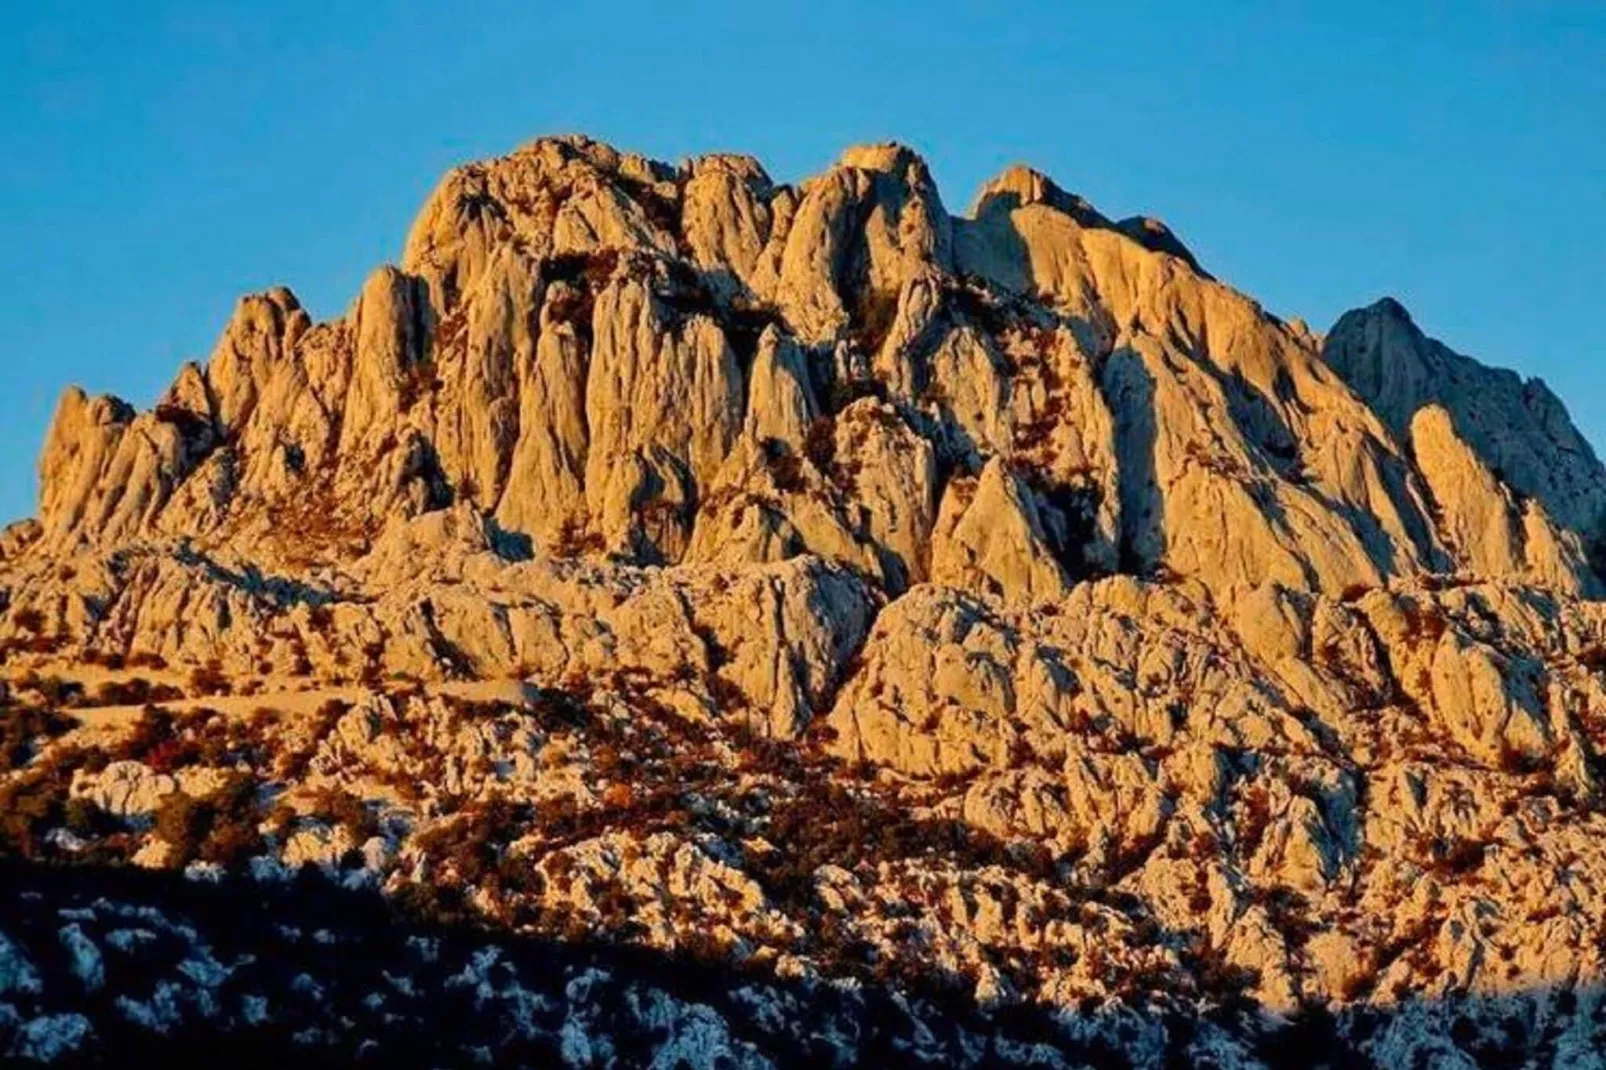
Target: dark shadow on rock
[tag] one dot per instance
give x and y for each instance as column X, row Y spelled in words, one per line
column 304, row 972
column 1152, row 234
column 1129, row 391
column 279, row 592
column 1517, row 428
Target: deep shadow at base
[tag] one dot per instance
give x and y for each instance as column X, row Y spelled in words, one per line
column 339, row 978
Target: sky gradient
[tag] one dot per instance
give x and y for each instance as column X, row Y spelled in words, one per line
column 159, row 159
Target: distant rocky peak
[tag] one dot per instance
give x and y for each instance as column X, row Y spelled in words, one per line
column 1517, row 428
column 1020, row 185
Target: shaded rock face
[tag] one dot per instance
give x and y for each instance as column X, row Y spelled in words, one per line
column 1515, row 428
column 994, row 602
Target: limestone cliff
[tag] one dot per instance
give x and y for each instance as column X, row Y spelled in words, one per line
column 586, row 344
column 810, row 579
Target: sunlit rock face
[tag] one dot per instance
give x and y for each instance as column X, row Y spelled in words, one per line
column 809, row 583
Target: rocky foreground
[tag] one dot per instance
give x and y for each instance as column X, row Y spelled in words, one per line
column 677, row 618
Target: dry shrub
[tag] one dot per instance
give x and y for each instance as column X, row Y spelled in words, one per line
column 208, row 679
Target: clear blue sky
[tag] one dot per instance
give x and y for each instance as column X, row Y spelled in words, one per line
column 159, row 158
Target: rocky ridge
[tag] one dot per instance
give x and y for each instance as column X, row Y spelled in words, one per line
column 1155, row 654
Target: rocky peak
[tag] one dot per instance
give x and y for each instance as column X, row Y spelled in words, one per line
column 812, row 584
column 1020, row 185
column 587, row 344
column 1517, row 428
column 1155, row 236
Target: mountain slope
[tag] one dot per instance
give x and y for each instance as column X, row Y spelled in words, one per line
column 596, row 347
column 810, row 581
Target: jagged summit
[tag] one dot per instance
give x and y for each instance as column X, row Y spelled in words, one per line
column 995, row 613
column 1020, row 185
column 1518, row 428
column 671, row 364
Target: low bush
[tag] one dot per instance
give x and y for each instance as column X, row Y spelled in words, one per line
column 32, row 802
column 340, row 807
column 135, row 692
column 220, row 827
column 208, row 679
column 85, row 819
column 23, row 730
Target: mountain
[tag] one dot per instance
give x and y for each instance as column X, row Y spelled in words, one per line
column 756, row 624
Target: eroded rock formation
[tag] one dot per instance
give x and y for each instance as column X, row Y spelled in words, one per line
column 997, row 598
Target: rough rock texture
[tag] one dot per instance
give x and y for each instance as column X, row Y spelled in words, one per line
column 593, row 348
column 1517, row 428
column 996, row 608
